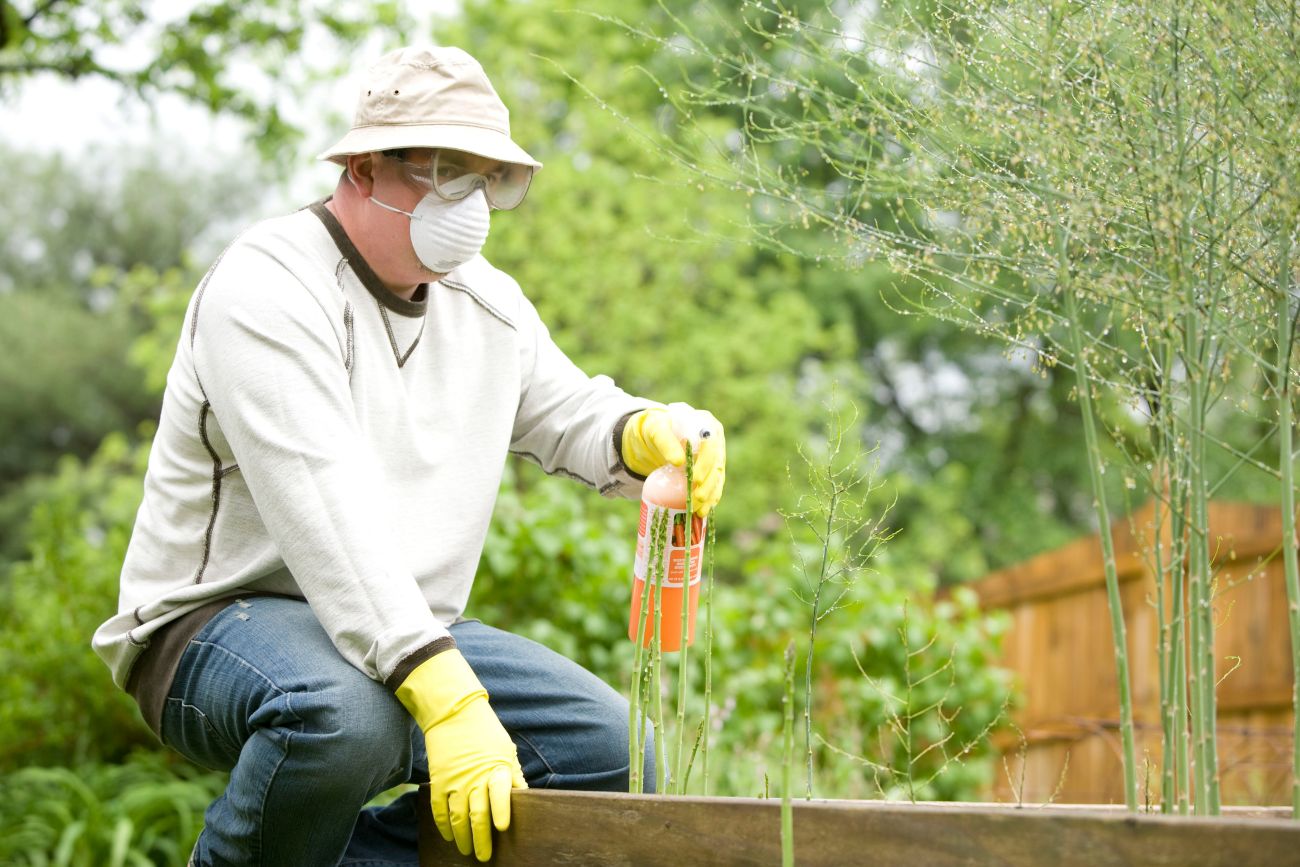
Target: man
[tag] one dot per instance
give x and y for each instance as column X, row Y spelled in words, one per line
column 348, row 383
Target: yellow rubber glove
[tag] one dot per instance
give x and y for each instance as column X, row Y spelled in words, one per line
column 472, row 761
column 650, row 443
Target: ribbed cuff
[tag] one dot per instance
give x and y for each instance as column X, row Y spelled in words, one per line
column 618, row 446
column 412, row 661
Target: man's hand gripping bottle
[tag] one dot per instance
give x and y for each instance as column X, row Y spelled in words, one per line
column 665, row 490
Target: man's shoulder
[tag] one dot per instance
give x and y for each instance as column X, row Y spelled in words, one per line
column 272, row 260
column 295, row 247
column 299, row 231
column 491, row 288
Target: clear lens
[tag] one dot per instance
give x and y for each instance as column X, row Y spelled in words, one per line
column 451, row 178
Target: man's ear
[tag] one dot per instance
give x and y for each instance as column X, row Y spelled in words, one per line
column 361, row 170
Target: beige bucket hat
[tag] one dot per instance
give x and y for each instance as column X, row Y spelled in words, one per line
column 430, row 98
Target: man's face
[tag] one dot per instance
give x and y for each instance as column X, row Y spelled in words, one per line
column 401, row 179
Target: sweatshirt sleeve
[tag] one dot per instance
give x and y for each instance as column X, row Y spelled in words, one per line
column 272, row 369
column 570, row 423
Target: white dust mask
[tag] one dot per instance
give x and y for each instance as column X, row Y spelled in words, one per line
column 446, row 235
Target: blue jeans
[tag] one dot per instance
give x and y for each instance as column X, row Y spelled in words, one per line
column 308, row 740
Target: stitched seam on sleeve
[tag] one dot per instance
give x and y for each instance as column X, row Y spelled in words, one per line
column 217, row 475
column 348, row 316
column 558, row 471
column 460, row 287
column 203, row 284
column 348, row 326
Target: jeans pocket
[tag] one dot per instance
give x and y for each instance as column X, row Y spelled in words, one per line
column 188, row 730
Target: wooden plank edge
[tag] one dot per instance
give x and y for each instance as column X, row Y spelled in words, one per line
column 565, row 827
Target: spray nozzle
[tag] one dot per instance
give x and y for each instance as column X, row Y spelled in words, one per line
column 689, row 424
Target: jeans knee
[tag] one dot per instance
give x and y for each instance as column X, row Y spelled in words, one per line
column 648, row 760
column 362, row 738
column 607, row 738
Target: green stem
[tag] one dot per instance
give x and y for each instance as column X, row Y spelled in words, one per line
column 1287, row 466
column 812, row 641
column 1200, row 590
column 636, row 721
column 1163, row 658
column 1178, row 556
column 1081, row 368
column 683, row 670
column 1168, row 566
column 787, row 762
column 708, row 653
column 661, row 760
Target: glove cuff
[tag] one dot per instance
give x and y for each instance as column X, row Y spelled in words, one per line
column 440, row 687
column 636, row 459
column 620, row 445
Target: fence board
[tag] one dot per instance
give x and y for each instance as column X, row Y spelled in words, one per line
column 567, row 828
column 1059, row 645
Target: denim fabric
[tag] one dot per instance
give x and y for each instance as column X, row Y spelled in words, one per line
column 308, row 740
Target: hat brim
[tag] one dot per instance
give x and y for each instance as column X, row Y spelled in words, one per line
column 481, row 141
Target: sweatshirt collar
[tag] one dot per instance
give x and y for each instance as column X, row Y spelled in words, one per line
column 413, row 308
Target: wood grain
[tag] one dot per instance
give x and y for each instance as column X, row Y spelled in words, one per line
column 585, row 828
column 1059, row 646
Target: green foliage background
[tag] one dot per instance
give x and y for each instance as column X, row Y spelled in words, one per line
column 642, row 273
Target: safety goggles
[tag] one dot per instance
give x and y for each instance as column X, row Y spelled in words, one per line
column 451, row 178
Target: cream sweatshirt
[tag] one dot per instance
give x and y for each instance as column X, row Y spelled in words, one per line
column 322, row 438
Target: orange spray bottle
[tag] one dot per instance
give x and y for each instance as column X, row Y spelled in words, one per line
column 665, row 490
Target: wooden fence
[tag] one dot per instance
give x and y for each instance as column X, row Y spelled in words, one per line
column 1060, row 646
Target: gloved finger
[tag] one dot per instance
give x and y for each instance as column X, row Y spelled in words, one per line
column 517, row 777
column 498, row 789
column 704, row 460
column 480, row 821
column 441, row 816
column 708, row 463
column 659, row 436
column 458, row 807
column 708, row 494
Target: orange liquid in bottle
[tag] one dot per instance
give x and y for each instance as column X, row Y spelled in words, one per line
column 665, row 489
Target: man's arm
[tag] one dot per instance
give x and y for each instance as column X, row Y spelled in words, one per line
column 570, row 423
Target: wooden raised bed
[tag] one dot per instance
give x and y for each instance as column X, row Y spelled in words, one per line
column 586, row 828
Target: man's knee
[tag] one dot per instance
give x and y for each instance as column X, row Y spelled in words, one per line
column 648, row 760
column 604, row 761
column 358, row 732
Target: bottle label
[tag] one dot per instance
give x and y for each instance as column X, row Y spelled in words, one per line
column 674, row 552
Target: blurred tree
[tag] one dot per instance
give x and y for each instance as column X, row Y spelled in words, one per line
column 639, row 275
column 604, row 92
column 206, row 54
column 84, row 243
column 67, row 218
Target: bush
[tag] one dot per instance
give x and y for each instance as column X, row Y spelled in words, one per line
column 557, row 568
column 143, row 812
column 61, row 706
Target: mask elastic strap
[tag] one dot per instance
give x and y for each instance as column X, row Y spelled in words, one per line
column 394, row 210
column 353, row 182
